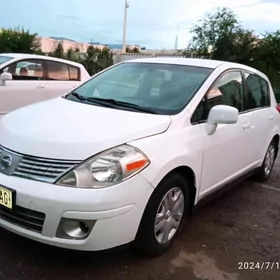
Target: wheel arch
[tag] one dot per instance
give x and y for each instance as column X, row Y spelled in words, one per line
column 276, row 138
column 189, row 175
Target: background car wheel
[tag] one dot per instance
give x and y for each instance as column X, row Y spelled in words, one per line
column 164, row 216
column 265, row 170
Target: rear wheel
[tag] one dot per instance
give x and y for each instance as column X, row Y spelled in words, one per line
column 265, row 170
column 163, row 217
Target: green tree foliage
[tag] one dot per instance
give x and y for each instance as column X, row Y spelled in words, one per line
column 19, row 40
column 134, row 50
column 221, row 36
column 58, row 52
column 97, row 59
column 267, row 58
column 72, row 55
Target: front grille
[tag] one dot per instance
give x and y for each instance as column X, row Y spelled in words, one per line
column 25, row 218
column 41, row 169
column 36, row 168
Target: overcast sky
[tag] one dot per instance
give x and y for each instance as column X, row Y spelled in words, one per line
column 151, row 23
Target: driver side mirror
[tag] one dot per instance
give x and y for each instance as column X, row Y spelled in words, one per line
column 5, row 77
column 221, row 114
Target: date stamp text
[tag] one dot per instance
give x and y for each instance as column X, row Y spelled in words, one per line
column 258, row 265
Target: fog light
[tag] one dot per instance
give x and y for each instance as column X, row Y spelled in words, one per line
column 74, row 229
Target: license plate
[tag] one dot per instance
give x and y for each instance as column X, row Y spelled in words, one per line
column 6, row 197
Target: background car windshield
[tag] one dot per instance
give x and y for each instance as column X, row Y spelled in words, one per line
column 163, row 88
column 4, row 59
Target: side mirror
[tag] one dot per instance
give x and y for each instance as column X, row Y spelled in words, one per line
column 5, row 77
column 221, row 114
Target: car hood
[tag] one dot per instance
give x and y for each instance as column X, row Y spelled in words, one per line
column 64, row 129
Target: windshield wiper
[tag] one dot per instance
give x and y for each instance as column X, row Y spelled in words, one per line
column 106, row 102
column 75, row 94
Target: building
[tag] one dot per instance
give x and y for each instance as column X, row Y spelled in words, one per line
column 50, row 44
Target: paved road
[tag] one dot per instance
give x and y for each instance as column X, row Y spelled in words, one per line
column 242, row 225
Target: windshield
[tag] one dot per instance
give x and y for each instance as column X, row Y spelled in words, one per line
column 4, row 58
column 161, row 88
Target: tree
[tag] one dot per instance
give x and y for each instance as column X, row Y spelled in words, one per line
column 19, row 40
column 90, row 59
column 96, row 59
column 70, row 54
column 267, row 58
column 104, row 59
column 135, row 50
column 221, row 36
column 58, row 52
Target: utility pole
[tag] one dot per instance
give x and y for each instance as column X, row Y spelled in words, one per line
column 176, row 39
column 126, row 6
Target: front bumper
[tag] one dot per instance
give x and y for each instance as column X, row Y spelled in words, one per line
column 117, row 211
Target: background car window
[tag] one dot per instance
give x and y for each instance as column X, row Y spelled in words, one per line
column 26, row 70
column 57, row 71
column 257, row 92
column 62, row 71
column 227, row 90
column 74, row 73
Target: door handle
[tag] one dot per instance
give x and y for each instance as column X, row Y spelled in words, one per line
column 246, row 126
column 40, row 86
column 270, row 118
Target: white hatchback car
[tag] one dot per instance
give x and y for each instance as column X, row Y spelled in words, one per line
column 126, row 156
column 29, row 78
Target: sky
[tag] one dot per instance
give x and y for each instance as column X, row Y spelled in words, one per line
column 150, row 23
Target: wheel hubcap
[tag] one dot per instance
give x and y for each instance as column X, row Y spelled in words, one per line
column 169, row 215
column 269, row 160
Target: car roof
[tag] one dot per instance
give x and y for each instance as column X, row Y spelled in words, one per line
column 35, row 56
column 200, row 62
column 180, row 61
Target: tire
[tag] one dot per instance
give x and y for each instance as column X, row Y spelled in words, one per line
column 265, row 170
column 152, row 241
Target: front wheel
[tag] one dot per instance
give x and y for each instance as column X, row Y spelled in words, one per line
column 163, row 217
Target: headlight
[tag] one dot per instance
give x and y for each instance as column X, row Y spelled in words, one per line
column 106, row 169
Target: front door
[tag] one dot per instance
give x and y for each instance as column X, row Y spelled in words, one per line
column 227, row 153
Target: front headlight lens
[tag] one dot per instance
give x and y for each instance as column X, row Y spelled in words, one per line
column 106, row 169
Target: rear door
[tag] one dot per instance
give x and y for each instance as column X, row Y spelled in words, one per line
column 262, row 115
column 61, row 78
column 27, row 86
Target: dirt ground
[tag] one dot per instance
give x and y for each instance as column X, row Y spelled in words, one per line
column 239, row 229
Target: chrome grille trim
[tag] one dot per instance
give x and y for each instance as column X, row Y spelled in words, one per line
column 37, row 168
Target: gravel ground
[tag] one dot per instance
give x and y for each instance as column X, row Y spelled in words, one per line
column 242, row 225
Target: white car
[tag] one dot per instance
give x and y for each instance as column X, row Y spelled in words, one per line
column 128, row 154
column 27, row 78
